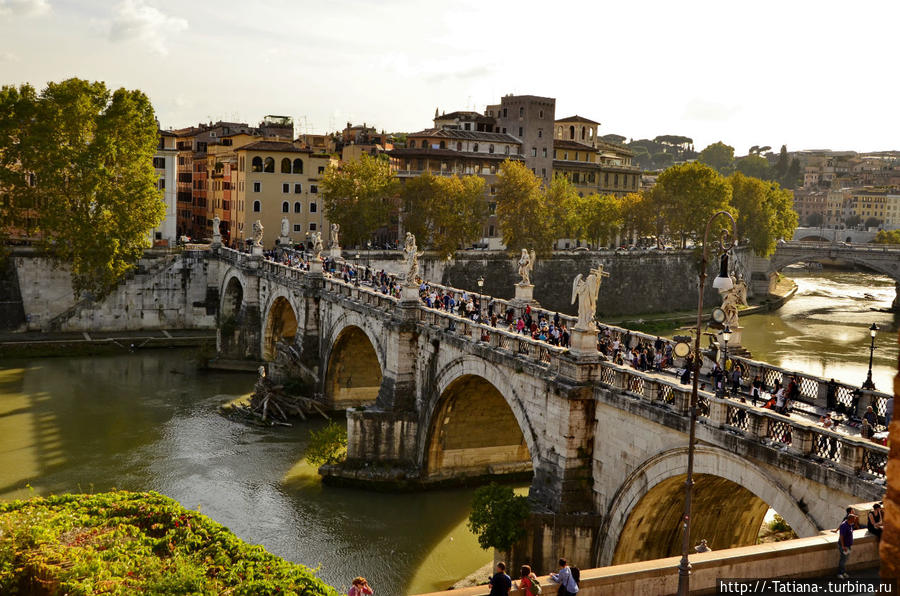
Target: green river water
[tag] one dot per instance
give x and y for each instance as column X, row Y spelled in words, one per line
column 148, row 420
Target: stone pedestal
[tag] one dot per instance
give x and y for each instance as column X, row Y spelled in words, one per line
column 334, row 252
column 734, row 341
column 524, row 293
column 409, row 293
column 583, row 343
column 284, row 242
column 256, row 250
column 315, row 266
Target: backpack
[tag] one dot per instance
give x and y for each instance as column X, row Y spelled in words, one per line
column 576, row 574
column 536, row 586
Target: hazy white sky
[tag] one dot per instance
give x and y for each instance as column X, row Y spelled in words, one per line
column 811, row 74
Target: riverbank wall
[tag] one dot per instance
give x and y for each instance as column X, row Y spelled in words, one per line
column 40, row 345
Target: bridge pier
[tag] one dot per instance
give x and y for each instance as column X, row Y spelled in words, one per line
column 240, row 325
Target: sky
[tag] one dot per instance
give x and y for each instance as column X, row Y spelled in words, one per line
column 809, row 74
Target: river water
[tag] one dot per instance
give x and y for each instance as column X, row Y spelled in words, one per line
column 148, row 421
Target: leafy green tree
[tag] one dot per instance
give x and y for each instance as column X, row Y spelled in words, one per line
column 794, row 176
column 640, row 215
column 852, row 221
column 765, row 212
column 327, row 445
column 613, row 138
column 522, row 209
column 663, row 160
column 872, row 222
column 719, row 156
column 595, row 218
column 559, row 201
column 76, row 167
column 418, row 196
column 457, row 213
column 782, row 165
column 360, row 195
column 755, row 166
column 885, row 237
column 498, row 517
column 686, row 196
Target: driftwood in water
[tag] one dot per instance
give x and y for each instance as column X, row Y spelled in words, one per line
column 270, row 404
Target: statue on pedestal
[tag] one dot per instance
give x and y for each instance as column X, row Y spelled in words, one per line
column 411, row 260
column 335, row 231
column 585, row 290
column 317, row 245
column 257, row 233
column 285, row 228
column 216, row 234
column 731, row 301
column 526, row 266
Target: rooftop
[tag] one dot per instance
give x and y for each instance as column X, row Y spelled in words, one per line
column 464, row 115
column 469, row 135
column 577, row 118
column 272, row 146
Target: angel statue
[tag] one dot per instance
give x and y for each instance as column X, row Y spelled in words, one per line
column 317, row 244
column 285, row 227
column 411, row 259
column 586, row 290
column 526, row 266
column 335, row 231
column 257, row 233
column 216, row 226
column 732, row 300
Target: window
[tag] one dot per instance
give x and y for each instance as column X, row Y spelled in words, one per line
column 298, row 188
column 582, row 133
column 565, row 155
column 576, row 156
column 321, row 169
column 285, row 207
column 474, row 148
column 241, row 167
column 521, row 131
column 285, row 188
column 492, row 207
column 161, row 184
column 505, row 114
column 467, row 126
column 490, row 148
column 313, row 189
column 269, row 165
column 285, row 166
column 257, row 207
column 443, row 144
column 541, row 114
column 412, row 144
column 534, row 152
column 540, row 133
column 458, row 146
column 616, row 178
column 159, row 163
column 298, row 208
column 298, row 227
column 544, row 152
column 257, row 186
column 297, row 167
column 506, row 149
column 312, row 226
column 490, row 230
column 257, row 164
column 572, row 132
column 543, row 172
column 312, row 208
column 521, row 112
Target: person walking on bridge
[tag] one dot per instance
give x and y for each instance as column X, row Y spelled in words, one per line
column 567, row 583
column 845, row 543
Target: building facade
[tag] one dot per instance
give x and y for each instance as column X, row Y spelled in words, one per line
column 528, row 118
column 165, row 163
column 591, row 164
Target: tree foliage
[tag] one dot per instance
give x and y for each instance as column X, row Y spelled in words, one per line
column 887, row 237
column 443, row 212
column 755, row 166
column 360, row 195
column 641, row 216
column 852, row 221
column 76, row 168
column 327, row 445
column 498, row 517
column 719, row 156
column 523, row 209
column 595, row 219
column 764, row 212
column 687, row 195
column 872, row 222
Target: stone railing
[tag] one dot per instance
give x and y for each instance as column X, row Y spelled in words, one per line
column 282, row 271
column 867, row 248
column 535, row 351
column 236, row 257
column 805, row 439
column 359, row 293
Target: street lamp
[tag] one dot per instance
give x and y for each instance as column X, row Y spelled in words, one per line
column 356, row 271
column 726, row 335
column 726, row 242
column 480, row 297
column 869, row 384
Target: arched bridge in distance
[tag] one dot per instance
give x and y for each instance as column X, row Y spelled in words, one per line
column 434, row 398
column 884, row 259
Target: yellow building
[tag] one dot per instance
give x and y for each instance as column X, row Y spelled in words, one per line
column 880, row 203
column 590, row 164
column 277, row 180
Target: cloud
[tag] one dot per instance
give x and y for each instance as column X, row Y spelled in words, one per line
column 709, row 111
column 24, row 8
column 8, row 57
column 135, row 20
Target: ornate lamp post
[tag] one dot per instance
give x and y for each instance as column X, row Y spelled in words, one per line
column 726, row 242
column 726, row 335
column 480, row 298
column 356, row 271
column 869, row 384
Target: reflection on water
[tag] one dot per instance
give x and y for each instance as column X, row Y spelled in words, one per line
column 824, row 329
column 148, row 421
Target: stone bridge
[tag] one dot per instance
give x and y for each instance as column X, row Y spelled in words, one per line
column 883, row 259
column 432, row 398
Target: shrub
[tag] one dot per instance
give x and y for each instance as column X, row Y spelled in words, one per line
column 498, row 517
column 328, row 445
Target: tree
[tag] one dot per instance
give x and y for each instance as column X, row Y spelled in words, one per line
column 640, row 215
column 522, row 209
column 663, row 160
column 765, row 212
column 782, row 165
column 872, row 222
column 755, row 166
column 686, row 196
column 595, row 218
column 498, row 517
column 457, row 213
column 814, row 220
column 613, row 138
column 418, row 196
column 327, row 445
column 793, row 177
column 559, row 201
column 885, row 237
column 719, row 156
column 76, row 167
column 360, row 195
column 852, row 221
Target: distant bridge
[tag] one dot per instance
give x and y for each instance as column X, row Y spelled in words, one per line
column 432, row 397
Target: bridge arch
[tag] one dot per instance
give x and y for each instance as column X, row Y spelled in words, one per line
column 354, row 358
column 475, row 423
column 784, row 257
column 280, row 325
column 730, row 500
column 232, row 296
